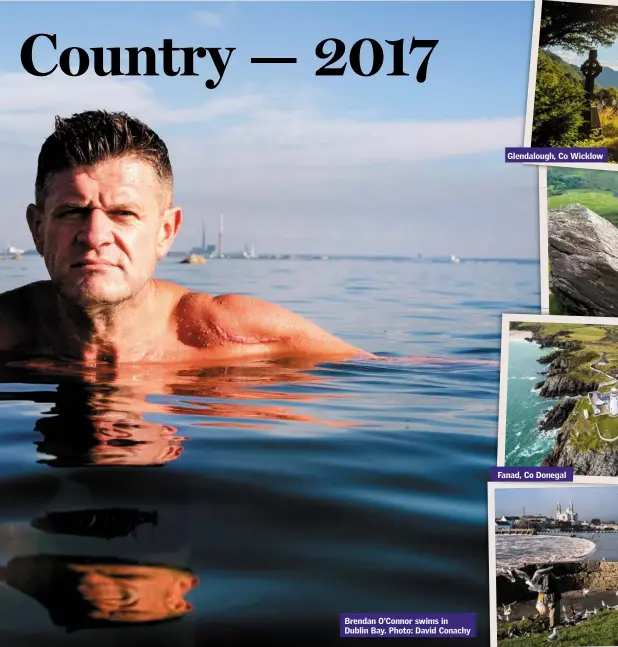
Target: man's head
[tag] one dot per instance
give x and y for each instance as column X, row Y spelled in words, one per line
column 103, row 212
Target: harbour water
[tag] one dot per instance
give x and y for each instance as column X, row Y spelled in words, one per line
column 525, row 445
column 513, row 551
column 272, row 496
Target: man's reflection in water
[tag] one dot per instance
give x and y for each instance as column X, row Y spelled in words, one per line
column 85, row 593
column 97, row 417
column 104, row 439
column 102, row 523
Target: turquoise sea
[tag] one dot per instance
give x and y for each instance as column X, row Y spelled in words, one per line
column 525, row 444
column 291, row 493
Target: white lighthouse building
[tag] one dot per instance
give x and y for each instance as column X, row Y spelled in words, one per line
column 613, row 402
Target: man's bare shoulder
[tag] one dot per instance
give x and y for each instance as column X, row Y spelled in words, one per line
column 19, row 309
column 234, row 319
column 24, row 298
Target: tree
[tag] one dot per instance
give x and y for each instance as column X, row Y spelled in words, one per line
column 558, row 105
column 578, row 27
column 595, row 522
column 608, row 98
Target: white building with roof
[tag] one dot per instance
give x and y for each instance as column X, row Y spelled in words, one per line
column 569, row 515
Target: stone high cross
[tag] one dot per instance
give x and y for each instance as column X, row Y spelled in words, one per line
column 591, row 68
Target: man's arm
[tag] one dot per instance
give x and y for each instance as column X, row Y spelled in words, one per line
column 245, row 320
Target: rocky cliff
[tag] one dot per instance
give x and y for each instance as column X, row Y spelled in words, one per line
column 558, row 414
column 559, row 380
column 590, row 463
column 583, row 252
column 559, row 385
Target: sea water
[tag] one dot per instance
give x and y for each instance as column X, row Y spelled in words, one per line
column 293, row 493
column 513, row 551
column 525, row 444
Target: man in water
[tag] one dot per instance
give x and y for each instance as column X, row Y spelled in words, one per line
column 103, row 218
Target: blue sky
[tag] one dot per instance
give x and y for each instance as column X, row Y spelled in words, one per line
column 297, row 162
column 588, row 501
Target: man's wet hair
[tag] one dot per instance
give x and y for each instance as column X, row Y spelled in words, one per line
column 94, row 136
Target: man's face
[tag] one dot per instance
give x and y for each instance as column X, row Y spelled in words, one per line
column 103, row 228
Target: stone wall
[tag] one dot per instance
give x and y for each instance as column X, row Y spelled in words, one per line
column 601, row 575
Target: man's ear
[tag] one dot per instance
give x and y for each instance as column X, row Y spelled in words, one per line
column 170, row 224
column 34, row 216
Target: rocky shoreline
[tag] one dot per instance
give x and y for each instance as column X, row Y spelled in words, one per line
column 557, row 382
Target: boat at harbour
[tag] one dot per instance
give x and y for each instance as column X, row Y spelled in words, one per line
column 11, row 252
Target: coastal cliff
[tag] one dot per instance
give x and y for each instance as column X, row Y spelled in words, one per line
column 565, row 358
column 558, row 415
column 589, row 463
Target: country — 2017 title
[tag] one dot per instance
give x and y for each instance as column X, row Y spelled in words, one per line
column 391, row 55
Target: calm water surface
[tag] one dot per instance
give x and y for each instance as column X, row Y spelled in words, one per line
column 268, row 496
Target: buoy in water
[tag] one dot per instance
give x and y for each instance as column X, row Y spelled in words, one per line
column 194, row 259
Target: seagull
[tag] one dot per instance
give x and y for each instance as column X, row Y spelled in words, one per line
column 533, row 584
column 508, row 573
column 553, row 635
column 603, row 603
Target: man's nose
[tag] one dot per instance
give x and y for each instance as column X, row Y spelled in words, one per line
column 95, row 229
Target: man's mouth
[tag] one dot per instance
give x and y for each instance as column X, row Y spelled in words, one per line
column 92, row 264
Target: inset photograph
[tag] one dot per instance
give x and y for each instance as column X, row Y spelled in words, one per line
column 559, row 394
column 579, row 241
column 573, row 81
column 553, row 554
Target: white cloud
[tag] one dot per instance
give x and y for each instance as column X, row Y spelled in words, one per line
column 577, row 59
column 278, row 166
column 209, row 19
column 570, row 57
